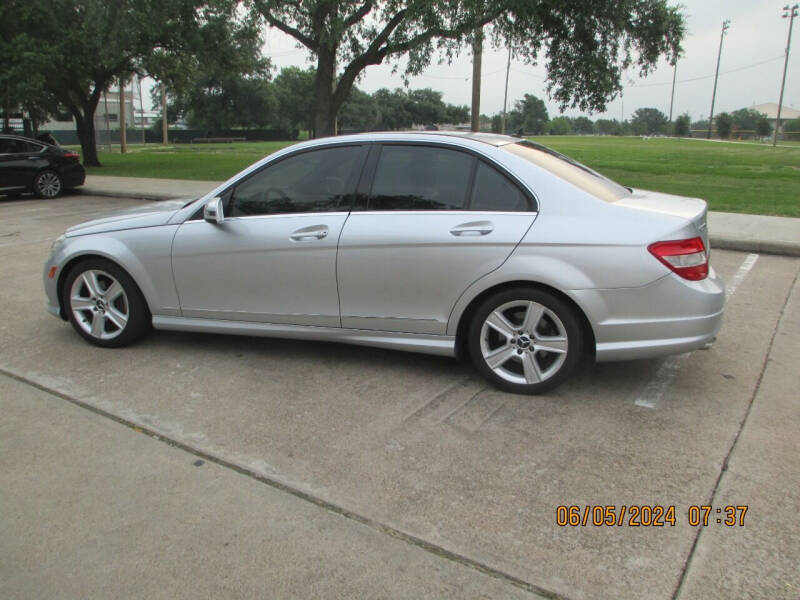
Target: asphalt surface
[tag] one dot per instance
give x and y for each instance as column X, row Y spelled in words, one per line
column 195, row 465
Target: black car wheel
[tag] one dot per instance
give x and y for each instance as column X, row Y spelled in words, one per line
column 47, row 184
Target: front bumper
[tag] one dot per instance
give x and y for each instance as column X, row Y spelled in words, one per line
column 51, row 287
column 668, row 316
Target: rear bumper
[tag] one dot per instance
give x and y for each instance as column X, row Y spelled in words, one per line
column 669, row 316
column 73, row 175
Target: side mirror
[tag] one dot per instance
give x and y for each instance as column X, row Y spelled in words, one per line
column 212, row 211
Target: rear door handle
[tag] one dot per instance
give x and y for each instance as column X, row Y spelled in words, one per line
column 474, row 228
column 308, row 234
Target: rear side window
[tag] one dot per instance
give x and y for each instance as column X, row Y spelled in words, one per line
column 420, row 178
column 316, row 181
column 494, row 192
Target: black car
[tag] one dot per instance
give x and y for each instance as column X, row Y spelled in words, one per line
column 28, row 165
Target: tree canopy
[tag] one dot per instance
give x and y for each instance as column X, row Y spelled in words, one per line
column 529, row 115
column 648, row 121
column 587, row 45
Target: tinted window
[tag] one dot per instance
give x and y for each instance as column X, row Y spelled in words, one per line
column 493, row 191
column 420, row 178
column 11, row 146
column 316, row 181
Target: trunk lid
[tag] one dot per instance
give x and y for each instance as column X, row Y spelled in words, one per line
column 692, row 209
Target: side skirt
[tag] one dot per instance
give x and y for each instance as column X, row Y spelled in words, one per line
column 441, row 345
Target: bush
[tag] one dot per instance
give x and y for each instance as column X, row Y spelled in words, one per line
column 682, row 126
column 763, row 127
column 724, row 124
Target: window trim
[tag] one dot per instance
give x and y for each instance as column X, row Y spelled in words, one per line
column 351, row 184
column 364, row 189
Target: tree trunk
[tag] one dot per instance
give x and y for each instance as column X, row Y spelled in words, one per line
column 324, row 110
column 84, row 124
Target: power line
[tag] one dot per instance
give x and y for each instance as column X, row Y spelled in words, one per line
column 763, row 62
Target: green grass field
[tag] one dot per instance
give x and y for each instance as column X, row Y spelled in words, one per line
column 733, row 177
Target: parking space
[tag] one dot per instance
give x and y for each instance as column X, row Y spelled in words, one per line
column 420, row 447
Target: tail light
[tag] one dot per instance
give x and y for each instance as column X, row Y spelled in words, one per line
column 71, row 155
column 687, row 258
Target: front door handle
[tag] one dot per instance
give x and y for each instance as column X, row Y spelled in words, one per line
column 308, row 234
column 474, row 228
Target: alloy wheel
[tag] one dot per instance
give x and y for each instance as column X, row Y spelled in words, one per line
column 48, row 184
column 523, row 342
column 99, row 304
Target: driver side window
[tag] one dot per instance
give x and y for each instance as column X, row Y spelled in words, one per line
column 315, row 181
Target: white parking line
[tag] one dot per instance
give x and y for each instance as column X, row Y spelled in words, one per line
column 669, row 369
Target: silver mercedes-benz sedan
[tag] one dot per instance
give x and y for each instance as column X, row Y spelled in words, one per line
column 481, row 245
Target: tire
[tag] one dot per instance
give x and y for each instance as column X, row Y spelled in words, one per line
column 104, row 304
column 525, row 340
column 48, row 184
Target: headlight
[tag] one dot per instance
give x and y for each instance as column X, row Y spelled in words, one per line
column 58, row 241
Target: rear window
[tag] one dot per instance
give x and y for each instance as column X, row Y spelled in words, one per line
column 569, row 170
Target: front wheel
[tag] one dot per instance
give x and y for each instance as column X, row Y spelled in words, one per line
column 525, row 341
column 104, row 304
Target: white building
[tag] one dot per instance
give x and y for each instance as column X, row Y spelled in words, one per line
column 771, row 110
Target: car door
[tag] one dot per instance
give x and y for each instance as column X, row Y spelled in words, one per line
column 18, row 165
column 273, row 257
column 436, row 219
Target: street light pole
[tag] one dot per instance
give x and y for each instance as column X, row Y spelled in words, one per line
column 725, row 26
column 789, row 13
column 672, row 98
column 505, row 96
column 477, row 53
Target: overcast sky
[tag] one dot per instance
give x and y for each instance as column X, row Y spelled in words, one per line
column 750, row 70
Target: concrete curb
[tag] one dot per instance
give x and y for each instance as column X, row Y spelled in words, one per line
column 150, row 197
column 758, row 246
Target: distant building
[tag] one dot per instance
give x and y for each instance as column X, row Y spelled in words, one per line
column 771, row 110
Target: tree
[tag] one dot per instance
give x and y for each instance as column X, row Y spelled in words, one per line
column 559, row 126
column 359, row 111
column 583, row 125
column 746, row 119
column 455, row 113
column 392, row 109
column 682, row 125
column 294, row 92
column 763, row 127
column 223, row 82
column 529, row 114
column 607, row 127
column 426, row 107
column 588, row 45
column 80, row 47
column 648, row 121
column 724, row 123
column 792, row 126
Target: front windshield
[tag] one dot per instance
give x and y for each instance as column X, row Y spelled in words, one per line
column 569, row 170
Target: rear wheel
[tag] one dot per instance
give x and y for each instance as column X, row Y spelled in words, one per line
column 48, row 184
column 104, row 304
column 525, row 341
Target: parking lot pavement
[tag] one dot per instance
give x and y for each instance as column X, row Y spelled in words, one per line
column 92, row 509
column 420, row 449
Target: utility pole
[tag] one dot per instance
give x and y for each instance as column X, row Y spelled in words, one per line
column 164, row 124
column 505, row 96
column 672, row 99
column 123, row 138
column 789, row 13
column 477, row 53
column 725, row 26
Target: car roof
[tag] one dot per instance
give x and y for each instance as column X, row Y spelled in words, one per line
column 491, row 139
